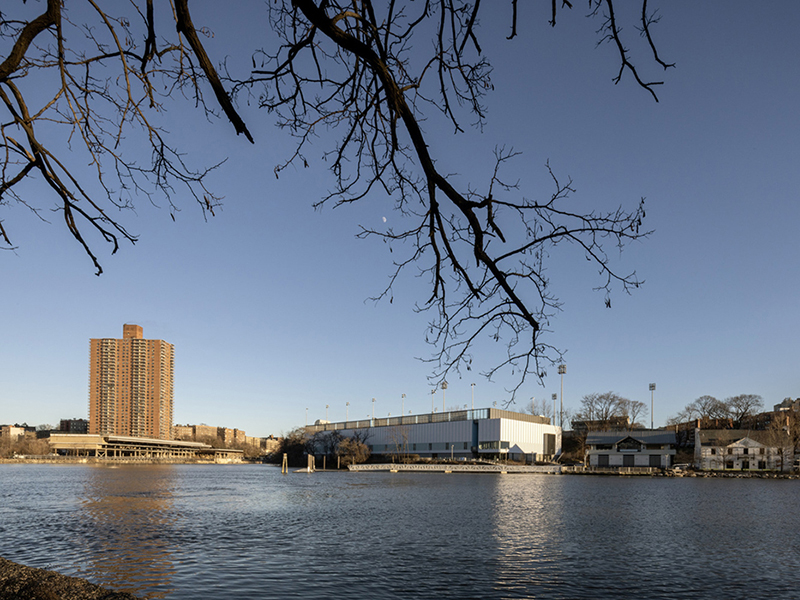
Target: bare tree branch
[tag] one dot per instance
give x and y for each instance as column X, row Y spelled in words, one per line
column 353, row 67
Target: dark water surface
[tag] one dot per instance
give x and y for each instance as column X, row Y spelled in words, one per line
column 249, row 532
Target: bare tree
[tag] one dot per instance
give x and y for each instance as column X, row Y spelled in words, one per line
column 295, row 445
column 353, row 450
column 355, row 68
column 601, row 409
column 743, row 406
column 326, row 443
column 540, row 407
column 634, row 410
column 398, row 436
column 707, row 407
column 782, row 434
column 104, row 82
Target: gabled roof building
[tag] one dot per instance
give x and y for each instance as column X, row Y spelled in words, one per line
column 740, row 450
column 635, row 448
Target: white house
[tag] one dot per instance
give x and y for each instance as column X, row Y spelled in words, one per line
column 740, row 450
column 635, row 448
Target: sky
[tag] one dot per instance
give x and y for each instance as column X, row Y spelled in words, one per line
column 267, row 302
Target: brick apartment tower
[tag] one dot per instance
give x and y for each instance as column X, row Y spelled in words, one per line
column 130, row 385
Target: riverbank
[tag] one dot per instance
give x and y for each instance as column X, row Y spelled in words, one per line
column 18, row 581
column 91, row 460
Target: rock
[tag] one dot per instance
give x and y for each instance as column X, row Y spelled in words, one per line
column 18, row 582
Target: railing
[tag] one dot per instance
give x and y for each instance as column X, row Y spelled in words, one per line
column 437, row 417
column 612, row 470
column 454, row 468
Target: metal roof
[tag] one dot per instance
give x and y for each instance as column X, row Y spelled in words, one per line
column 646, row 436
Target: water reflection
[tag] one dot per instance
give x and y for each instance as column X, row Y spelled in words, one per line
column 127, row 517
column 527, row 528
column 190, row 531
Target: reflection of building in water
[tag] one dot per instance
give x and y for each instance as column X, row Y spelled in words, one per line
column 479, row 433
column 130, row 385
column 128, row 523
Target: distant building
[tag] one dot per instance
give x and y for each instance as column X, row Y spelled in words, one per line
column 637, row 448
column 481, row 433
column 74, row 426
column 610, row 424
column 226, row 435
column 788, row 404
column 111, row 448
column 239, row 436
column 740, row 450
column 204, row 432
column 131, row 386
column 221, row 435
column 183, row 432
column 13, row 433
column 270, row 444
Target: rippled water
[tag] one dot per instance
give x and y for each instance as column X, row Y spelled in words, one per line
column 249, row 532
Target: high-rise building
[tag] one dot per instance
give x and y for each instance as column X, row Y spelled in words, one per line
column 130, row 385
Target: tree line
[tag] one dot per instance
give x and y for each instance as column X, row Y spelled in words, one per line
column 298, row 444
column 736, row 409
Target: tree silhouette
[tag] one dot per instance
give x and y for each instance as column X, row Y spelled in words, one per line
column 354, row 68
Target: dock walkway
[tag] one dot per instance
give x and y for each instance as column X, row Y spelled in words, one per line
column 455, row 468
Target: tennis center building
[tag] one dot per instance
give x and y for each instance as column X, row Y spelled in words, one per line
column 481, row 433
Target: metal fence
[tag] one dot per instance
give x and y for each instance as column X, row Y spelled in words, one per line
column 612, row 470
column 453, row 468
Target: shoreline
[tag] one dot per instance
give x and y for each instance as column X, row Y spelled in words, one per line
column 77, row 460
column 437, row 467
column 19, row 581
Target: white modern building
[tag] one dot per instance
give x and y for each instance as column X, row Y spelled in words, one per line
column 479, row 433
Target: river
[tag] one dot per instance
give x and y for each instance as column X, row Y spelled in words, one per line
column 202, row 531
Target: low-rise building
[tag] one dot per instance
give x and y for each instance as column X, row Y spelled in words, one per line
column 74, row 426
column 479, row 433
column 270, row 444
column 183, row 432
column 204, row 432
column 740, row 450
column 618, row 423
column 111, row 448
column 13, row 433
column 787, row 405
column 635, row 448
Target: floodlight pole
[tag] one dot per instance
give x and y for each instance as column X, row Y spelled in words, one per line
column 652, row 393
column 562, row 368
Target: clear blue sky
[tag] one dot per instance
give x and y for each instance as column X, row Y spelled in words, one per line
column 266, row 301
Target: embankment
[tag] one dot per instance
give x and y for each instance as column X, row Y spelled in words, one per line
column 18, row 582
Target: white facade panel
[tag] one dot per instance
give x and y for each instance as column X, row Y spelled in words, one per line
column 468, row 434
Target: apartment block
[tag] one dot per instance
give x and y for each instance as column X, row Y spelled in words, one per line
column 131, row 385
